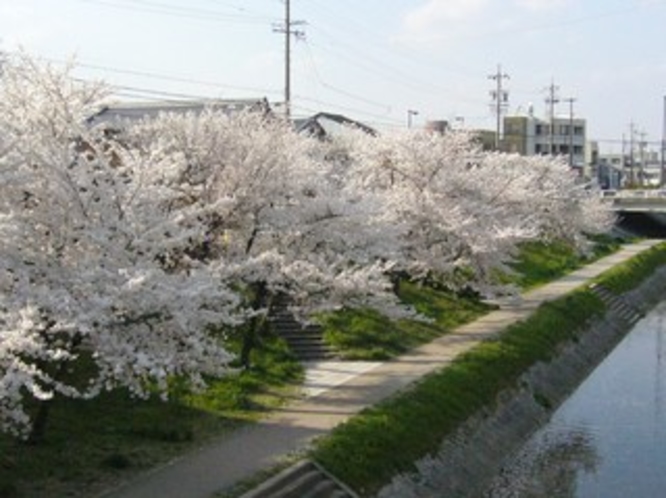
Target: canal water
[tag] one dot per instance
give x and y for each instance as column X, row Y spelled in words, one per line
column 609, row 438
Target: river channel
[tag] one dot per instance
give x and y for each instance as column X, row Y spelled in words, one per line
column 609, row 438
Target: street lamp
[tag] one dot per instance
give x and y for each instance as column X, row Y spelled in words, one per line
column 410, row 114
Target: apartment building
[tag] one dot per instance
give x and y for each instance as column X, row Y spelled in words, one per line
column 530, row 135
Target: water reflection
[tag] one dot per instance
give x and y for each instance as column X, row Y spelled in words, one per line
column 609, row 438
column 548, row 466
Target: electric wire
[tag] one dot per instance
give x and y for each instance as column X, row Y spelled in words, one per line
column 165, row 77
column 150, row 7
column 337, row 90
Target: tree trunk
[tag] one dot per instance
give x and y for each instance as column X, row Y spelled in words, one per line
column 40, row 421
column 396, row 278
column 38, row 429
column 256, row 326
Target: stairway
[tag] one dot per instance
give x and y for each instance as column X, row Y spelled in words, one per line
column 305, row 479
column 617, row 304
column 305, row 341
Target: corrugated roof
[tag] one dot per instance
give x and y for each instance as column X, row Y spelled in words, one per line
column 117, row 114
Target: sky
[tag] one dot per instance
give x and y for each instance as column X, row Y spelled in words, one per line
column 382, row 62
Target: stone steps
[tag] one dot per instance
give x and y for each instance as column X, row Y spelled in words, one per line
column 305, row 479
column 305, row 341
column 617, row 304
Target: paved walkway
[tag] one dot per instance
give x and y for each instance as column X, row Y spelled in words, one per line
column 334, row 391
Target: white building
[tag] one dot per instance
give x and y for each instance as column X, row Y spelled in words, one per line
column 529, row 135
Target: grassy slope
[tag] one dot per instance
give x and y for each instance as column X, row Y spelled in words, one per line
column 387, row 438
column 539, row 262
column 370, row 448
column 90, row 443
column 368, row 335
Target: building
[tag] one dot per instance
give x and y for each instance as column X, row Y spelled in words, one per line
column 529, row 135
column 610, row 171
column 119, row 115
column 639, row 169
column 324, row 124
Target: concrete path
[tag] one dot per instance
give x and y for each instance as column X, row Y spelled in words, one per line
column 335, row 391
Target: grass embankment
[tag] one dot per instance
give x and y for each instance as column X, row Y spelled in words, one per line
column 384, row 440
column 368, row 335
column 540, row 262
column 90, row 443
column 629, row 275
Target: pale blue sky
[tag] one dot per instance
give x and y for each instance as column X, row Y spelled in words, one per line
column 371, row 59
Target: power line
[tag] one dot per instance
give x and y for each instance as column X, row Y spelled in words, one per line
column 373, row 121
column 348, row 51
column 164, row 77
column 152, row 94
column 151, row 7
column 345, row 108
column 376, row 39
column 336, row 89
column 391, row 74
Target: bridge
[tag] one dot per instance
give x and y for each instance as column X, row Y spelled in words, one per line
column 640, row 212
column 636, row 201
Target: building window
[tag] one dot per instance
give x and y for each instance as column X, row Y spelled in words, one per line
column 579, row 130
column 578, row 149
column 564, row 129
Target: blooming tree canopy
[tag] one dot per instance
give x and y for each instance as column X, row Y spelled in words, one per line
column 281, row 215
column 120, row 250
column 462, row 208
column 92, row 259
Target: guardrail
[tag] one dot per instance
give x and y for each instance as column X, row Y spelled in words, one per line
column 634, row 194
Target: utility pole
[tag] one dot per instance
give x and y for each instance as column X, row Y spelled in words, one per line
column 624, row 161
column 662, row 179
column 288, row 29
column 641, row 151
column 551, row 100
column 571, row 101
column 632, row 132
column 500, row 99
column 410, row 114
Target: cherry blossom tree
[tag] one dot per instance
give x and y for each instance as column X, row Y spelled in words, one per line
column 461, row 208
column 281, row 218
column 93, row 262
column 119, row 251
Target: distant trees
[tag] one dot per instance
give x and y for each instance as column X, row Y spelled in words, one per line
column 462, row 211
column 119, row 253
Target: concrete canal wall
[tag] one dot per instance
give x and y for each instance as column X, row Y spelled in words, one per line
column 473, row 455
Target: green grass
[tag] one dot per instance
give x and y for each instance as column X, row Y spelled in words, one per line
column 388, row 438
column 539, row 262
column 90, row 444
column 94, row 443
column 368, row 335
column 628, row 275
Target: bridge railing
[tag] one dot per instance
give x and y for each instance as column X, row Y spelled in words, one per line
column 634, row 194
